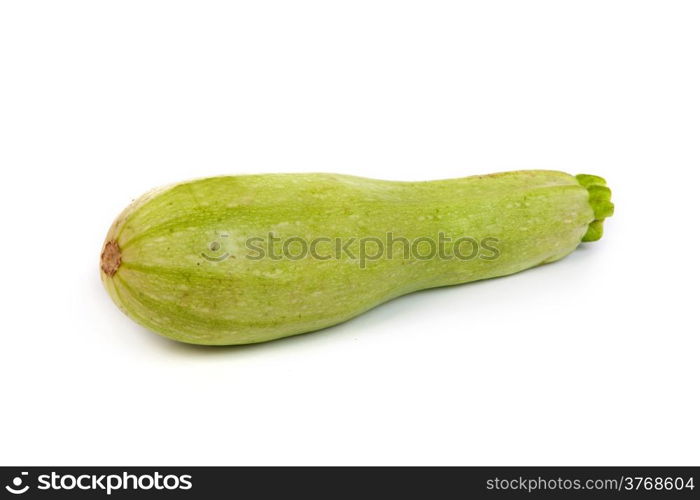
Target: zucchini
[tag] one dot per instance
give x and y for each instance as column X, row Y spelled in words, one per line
column 251, row 258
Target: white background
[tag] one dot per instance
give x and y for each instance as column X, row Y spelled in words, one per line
column 592, row 360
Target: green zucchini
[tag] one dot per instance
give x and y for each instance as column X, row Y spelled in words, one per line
column 252, row 258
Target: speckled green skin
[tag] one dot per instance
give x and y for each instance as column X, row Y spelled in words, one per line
column 165, row 283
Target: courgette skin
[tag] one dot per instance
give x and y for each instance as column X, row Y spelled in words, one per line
column 180, row 262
